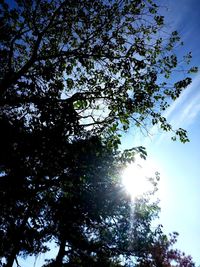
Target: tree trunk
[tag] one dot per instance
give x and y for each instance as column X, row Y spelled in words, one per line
column 11, row 258
column 61, row 254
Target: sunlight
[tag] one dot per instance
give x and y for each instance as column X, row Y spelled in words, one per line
column 135, row 177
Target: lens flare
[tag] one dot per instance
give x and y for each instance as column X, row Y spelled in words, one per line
column 135, row 178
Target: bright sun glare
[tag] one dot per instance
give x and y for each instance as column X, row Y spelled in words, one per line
column 135, row 177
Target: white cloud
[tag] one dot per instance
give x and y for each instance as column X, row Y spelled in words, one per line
column 184, row 111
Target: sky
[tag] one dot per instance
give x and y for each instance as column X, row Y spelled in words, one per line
column 178, row 163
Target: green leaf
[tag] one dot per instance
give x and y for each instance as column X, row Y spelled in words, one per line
column 70, row 83
column 193, row 70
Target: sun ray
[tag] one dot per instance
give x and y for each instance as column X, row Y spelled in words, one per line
column 136, row 178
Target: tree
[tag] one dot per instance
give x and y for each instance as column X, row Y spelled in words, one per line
column 86, row 64
column 72, row 75
column 162, row 253
column 87, row 213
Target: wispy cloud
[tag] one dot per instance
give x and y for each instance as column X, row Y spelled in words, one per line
column 184, row 111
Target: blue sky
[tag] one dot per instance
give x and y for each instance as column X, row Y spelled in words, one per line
column 179, row 163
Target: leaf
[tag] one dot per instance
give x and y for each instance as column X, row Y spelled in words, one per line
column 193, row 70
column 70, row 83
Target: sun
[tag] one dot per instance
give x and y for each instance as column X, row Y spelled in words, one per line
column 135, row 178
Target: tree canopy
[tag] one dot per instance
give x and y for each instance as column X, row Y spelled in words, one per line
column 97, row 65
column 74, row 75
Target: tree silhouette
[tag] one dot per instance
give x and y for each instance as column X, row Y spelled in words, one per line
column 73, row 74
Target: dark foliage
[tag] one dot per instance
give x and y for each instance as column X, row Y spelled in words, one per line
column 72, row 75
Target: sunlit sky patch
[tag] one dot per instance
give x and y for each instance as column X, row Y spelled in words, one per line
column 137, row 176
